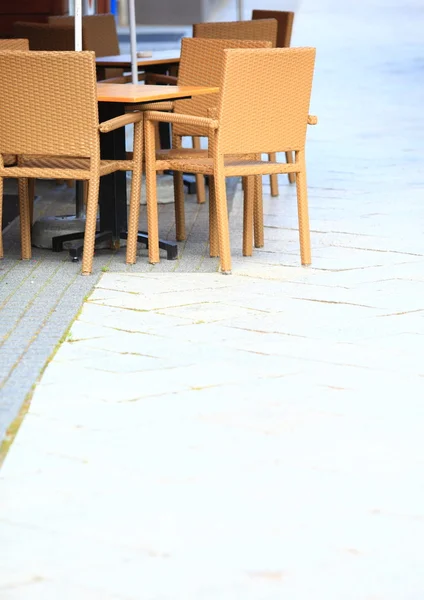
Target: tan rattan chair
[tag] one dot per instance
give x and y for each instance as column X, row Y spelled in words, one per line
column 49, row 119
column 267, row 28
column 43, row 37
column 263, row 30
column 201, row 64
column 99, row 34
column 285, row 21
column 263, row 107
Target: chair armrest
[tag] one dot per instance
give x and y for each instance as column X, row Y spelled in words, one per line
column 121, row 121
column 162, row 106
column 312, row 120
column 152, row 78
column 184, row 119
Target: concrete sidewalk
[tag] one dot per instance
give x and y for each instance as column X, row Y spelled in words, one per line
column 259, row 436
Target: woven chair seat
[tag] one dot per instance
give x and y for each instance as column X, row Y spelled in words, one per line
column 234, row 164
column 185, row 153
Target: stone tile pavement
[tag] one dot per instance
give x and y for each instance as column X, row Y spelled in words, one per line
column 257, row 436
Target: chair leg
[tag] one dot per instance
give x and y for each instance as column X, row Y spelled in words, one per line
column 134, row 212
column 157, row 142
column 200, row 179
column 289, row 159
column 90, row 225
column 222, row 217
column 179, row 207
column 249, row 200
column 31, row 196
column 302, row 208
column 258, row 213
column 1, row 217
column 213, row 231
column 25, row 223
column 133, row 218
column 273, row 179
column 179, row 197
column 151, row 193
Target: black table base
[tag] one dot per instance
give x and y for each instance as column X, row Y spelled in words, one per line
column 75, row 252
column 112, row 195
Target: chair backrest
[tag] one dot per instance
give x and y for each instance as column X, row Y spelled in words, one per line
column 49, row 104
column 14, row 44
column 201, row 63
column 264, row 29
column 43, row 37
column 264, row 100
column 99, row 32
column 285, row 24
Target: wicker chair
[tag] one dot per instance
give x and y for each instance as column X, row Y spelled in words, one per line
column 259, row 28
column 49, row 118
column 285, row 21
column 263, row 107
column 99, row 34
column 264, row 30
column 201, row 64
column 43, row 37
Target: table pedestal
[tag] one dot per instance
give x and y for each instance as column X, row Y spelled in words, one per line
column 112, row 195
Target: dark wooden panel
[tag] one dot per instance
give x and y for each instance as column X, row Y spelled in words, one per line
column 28, row 10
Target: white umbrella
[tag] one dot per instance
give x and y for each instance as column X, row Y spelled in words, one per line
column 78, row 24
column 133, row 41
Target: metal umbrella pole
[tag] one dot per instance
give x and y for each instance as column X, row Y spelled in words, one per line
column 79, row 200
column 133, row 40
column 78, row 25
column 240, row 10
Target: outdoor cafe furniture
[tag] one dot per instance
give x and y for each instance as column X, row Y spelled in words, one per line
column 285, row 21
column 263, row 107
column 201, row 62
column 49, row 118
column 267, row 28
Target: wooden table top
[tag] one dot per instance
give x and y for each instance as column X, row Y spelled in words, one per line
column 130, row 93
column 124, row 60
